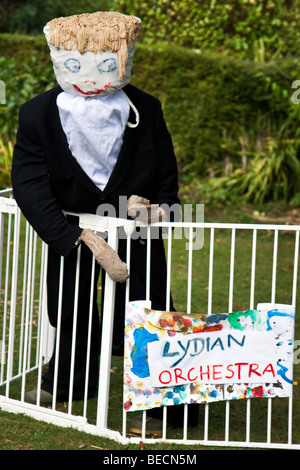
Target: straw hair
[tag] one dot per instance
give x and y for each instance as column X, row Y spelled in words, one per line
column 95, row 32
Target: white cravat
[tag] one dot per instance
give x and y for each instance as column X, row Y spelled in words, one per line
column 94, row 128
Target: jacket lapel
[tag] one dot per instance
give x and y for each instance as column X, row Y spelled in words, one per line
column 123, row 163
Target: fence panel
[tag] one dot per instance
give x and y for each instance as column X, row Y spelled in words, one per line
column 237, row 267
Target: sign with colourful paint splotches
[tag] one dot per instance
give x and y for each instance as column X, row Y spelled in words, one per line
column 175, row 358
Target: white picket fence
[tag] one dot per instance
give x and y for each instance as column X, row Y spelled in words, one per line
column 27, row 339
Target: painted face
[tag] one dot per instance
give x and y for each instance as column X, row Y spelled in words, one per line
column 89, row 74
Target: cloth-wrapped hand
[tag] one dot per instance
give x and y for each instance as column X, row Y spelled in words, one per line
column 108, row 258
column 140, row 209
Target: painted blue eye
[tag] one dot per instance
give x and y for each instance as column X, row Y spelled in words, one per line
column 73, row 65
column 107, row 65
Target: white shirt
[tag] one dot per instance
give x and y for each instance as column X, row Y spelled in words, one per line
column 94, row 128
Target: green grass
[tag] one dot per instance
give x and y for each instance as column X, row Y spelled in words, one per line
column 21, row 432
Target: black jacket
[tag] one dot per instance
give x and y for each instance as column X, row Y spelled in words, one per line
column 47, row 179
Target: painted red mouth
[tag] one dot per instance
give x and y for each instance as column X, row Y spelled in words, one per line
column 94, row 92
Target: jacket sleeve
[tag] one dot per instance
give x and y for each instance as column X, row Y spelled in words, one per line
column 167, row 174
column 32, row 188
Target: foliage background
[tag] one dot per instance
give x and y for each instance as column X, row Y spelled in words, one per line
column 249, row 28
column 223, row 71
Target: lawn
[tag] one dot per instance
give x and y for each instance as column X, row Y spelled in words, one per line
column 21, row 432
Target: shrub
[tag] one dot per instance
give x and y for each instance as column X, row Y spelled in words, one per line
column 6, row 153
column 30, row 16
column 254, row 29
column 218, row 108
column 272, row 174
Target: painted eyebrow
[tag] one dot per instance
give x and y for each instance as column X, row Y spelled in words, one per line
column 73, row 65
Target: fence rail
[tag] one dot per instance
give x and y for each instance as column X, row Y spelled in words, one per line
column 238, row 266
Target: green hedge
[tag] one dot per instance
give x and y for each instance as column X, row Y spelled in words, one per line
column 217, row 107
column 30, row 16
column 249, row 28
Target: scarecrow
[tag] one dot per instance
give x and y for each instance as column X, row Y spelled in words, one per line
column 80, row 146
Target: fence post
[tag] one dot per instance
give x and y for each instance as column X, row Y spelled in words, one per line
column 106, row 341
column 14, row 280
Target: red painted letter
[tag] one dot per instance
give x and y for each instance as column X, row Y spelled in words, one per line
column 230, row 370
column 190, row 378
column 269, row 368
column 165, row 372
column 216, row 372
column 239, row 364
column 178, row 375
column 253, row 368
column 204, row 373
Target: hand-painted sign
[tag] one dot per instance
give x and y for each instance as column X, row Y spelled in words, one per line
column 175, row 358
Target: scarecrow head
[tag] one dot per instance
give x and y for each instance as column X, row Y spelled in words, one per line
column 92, row 53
